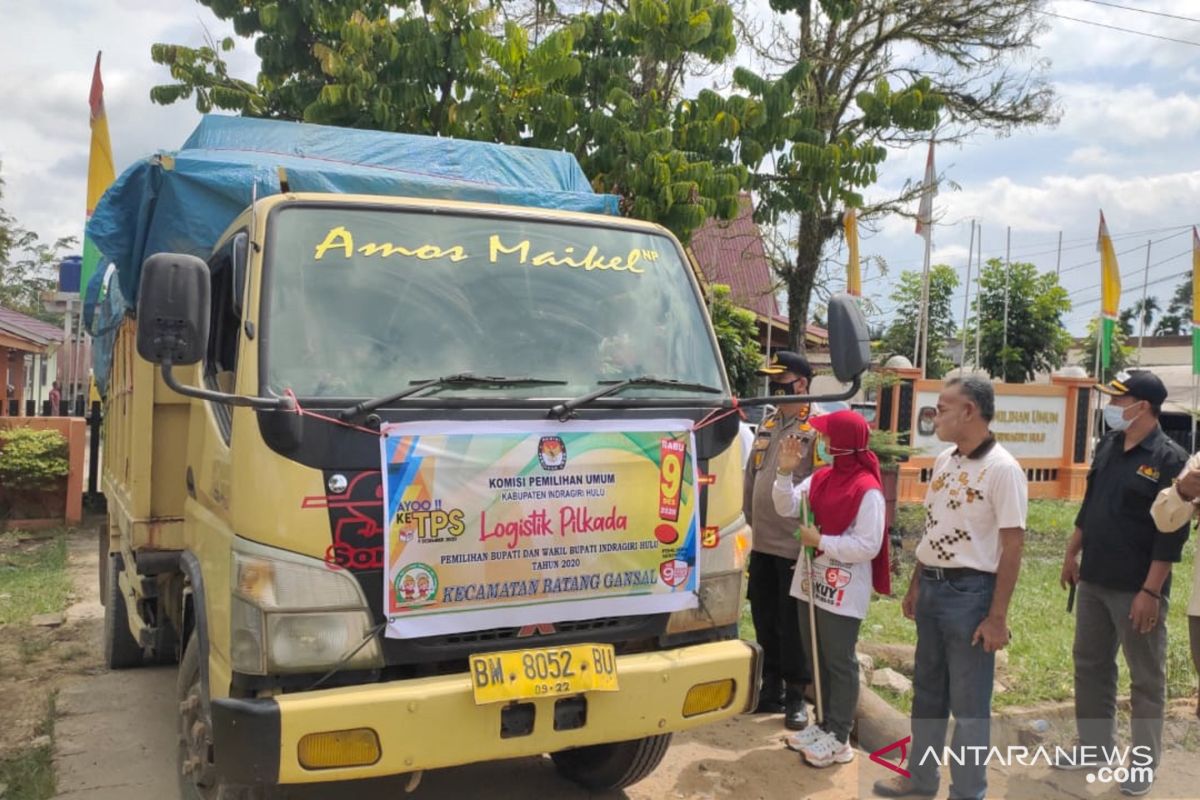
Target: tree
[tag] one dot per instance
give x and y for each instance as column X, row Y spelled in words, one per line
column 1140, row 313
column 1118, row 360
column 737, row 336
column 1175, row 322
column 901, row 336
column 27, row 267
column 605, row 86
column 861, row 75
column 1037, row 304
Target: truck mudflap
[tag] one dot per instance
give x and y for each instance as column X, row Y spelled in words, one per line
column 429, row 723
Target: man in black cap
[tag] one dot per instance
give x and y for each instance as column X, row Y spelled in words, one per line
column 776, row 549
column 1124, row 579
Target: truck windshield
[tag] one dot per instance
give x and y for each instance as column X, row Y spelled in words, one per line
column 364, row 301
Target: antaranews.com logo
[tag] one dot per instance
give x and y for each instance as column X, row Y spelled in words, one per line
column 1104, row 765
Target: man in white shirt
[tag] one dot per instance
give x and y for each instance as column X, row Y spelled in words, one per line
column 968, row 562
column 1173, row 509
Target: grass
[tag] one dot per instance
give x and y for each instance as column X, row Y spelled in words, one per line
column 1040, row 663
column 29, row 774
column 33, row 580
column 33, row 575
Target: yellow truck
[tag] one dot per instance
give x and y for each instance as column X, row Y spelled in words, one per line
column 408, row 482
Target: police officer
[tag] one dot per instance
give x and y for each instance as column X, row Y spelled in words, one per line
column 776, row 548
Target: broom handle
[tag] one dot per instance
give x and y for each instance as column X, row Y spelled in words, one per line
column 812, row 633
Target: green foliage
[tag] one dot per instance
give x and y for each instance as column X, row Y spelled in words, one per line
column 901, row 336
column 1037, row 304
column 32, row 459
column 737, row 336
column 887, row 446
column 1140, row 313
column 27, row 267
column 605, row 86
column 1177, row 319
column 859, row 76
column 1120, row 353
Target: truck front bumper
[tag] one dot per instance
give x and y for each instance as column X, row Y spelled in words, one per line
column 427, row 723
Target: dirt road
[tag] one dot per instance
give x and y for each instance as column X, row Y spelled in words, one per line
column 115, row 740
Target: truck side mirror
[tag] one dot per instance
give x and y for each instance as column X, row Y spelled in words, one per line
column 849, row 341
column 173, row 309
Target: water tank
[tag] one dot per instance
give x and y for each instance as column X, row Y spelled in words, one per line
column 68, row 274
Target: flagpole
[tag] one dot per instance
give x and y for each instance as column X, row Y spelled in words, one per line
column 978, row 280
column 925, row 307
column 925, row 229
column 962, row 362
column 1007, row 269
column 1142, row 311
column 1058, row 258
column 1093, row 423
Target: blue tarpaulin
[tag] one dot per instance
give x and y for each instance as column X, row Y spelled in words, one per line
column 182, row 202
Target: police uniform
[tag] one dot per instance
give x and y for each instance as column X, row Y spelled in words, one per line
column 773, row 558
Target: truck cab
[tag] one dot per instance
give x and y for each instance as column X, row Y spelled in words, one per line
column 250, row 408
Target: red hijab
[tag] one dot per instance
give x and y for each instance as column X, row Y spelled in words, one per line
column 836, row 492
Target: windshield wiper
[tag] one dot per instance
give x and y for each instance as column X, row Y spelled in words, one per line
column 565, row 410
column 459, row 379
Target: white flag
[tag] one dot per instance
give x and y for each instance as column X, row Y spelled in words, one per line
column 929, row 189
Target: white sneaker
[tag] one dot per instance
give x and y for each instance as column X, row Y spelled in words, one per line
column 827, row 751
column 802, row 739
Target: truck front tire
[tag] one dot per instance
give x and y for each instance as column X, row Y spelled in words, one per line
column 606, row 767
column 197, row 775
column 121, row 650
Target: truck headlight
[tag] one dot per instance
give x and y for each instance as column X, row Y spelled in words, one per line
column 291, row 613
column 720, row 604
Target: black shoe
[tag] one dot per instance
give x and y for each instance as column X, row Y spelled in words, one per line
column 1136, row 788
column 769, row 705
column 770, row 696
column 899, row 787
column 795, row 714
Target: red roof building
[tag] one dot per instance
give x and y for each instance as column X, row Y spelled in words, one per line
column 733, row 253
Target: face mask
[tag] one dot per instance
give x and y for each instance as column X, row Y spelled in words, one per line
column 1114, row 417
column 774, row 388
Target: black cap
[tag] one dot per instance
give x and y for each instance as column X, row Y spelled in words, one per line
column 1142, row 384
column 787, row 361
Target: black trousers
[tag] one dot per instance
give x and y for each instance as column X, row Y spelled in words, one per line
column 777, row 623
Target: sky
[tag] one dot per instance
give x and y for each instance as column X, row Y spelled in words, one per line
column 1128, row 141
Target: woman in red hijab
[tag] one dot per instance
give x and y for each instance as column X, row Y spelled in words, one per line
column 851, row 558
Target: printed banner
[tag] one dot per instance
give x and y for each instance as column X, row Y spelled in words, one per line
column 504, row 524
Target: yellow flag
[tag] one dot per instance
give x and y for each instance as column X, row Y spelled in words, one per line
column 853, row 269
column 1110, row 292
column 1110, row 274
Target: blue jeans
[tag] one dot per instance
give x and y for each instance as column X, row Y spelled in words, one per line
column 952, row 676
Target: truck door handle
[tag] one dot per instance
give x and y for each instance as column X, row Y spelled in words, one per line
column 191, row 483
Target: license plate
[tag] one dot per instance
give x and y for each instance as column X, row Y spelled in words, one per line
column 546, row 672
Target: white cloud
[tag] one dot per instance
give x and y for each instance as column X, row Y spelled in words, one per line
column 1129, row 115
column 1090, row 156
column 1074, row 45
column 44, row 133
